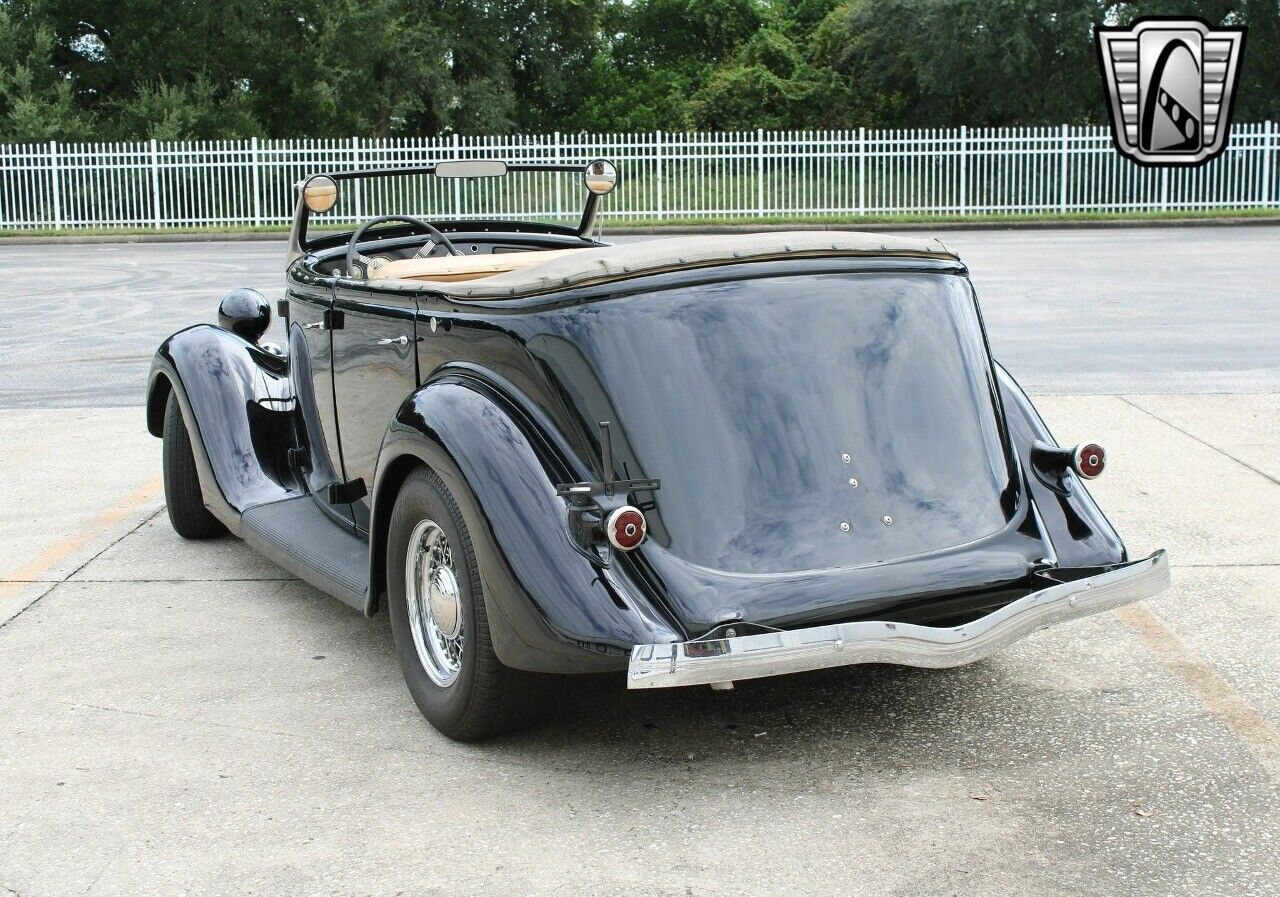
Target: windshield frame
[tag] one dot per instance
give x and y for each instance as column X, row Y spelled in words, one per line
column 301, row 243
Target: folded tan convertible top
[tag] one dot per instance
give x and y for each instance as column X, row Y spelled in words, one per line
column 522, row 274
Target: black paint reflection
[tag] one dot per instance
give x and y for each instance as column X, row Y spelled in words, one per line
column 743, row 396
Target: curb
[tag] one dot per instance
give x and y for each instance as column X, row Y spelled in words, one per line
column 281, row 236
column 677, row 230
column 948, row 226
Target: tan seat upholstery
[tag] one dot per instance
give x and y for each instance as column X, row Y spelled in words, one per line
column 453, row 268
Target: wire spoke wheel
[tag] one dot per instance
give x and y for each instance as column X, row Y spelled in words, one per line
column 434, row 600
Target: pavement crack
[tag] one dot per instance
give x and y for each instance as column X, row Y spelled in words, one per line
column 170, row 718
column 146, row 518
column 182, row 580
column 1190, row 435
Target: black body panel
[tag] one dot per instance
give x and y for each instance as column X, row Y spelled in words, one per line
column 558, row 612
column 375, row 367
column 1081, row 534
column 739, row 386
column 238, row 403
column 311, row 355
column 744, row 396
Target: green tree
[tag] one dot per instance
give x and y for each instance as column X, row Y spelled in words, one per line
column 686, row 33
column 768, row 84
column 654, row 56
column 322, row 68
column 196, row 110
column 379, row 68
column 37, row 101
column 976, row 62
column 629, row 99
column 172, row 69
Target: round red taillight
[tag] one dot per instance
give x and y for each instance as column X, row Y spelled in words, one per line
column 1088, row 460
column 625, row 528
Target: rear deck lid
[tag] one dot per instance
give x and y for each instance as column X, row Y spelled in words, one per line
column 802, row 426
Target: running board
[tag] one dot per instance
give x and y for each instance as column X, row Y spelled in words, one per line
column 299, row 536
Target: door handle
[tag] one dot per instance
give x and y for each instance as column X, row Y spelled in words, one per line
column 400, row 341
column 314, row 325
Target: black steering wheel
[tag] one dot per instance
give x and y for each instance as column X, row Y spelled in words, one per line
column 416, row 222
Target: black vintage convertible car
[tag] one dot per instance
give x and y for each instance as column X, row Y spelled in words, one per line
column 694, row 460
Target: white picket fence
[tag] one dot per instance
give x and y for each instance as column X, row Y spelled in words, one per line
column 951, row 172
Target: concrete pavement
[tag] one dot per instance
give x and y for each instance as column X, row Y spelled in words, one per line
column 1069, row 311
column 185, row 717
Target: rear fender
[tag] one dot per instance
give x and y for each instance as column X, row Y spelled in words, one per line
column 237, row 403
column 1080, row 533
column 549, row 609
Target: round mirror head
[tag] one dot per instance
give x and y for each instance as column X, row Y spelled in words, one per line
column 244, row 312
column 320, row 193
column 600, row 177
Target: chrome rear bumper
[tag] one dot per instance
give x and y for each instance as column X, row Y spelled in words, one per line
column 841, row 644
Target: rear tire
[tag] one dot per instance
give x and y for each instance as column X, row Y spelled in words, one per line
column 190, row 518
column 438, row 619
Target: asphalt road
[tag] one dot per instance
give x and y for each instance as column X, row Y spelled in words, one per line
column 1069, row 311
column 186, row 718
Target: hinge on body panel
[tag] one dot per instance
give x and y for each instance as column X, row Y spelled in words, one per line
column 346, row 493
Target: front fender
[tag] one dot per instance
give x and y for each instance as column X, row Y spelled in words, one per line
column 549, row 609
column 237, row 402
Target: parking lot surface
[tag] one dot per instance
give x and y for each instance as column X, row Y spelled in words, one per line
column 185, row 717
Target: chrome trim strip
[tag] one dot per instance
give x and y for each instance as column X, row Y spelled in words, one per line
column 908, row 644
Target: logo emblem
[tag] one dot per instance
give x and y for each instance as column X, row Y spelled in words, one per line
column 1171, row 83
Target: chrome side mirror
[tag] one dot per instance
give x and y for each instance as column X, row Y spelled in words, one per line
column 601, row 176
column 319, row 193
